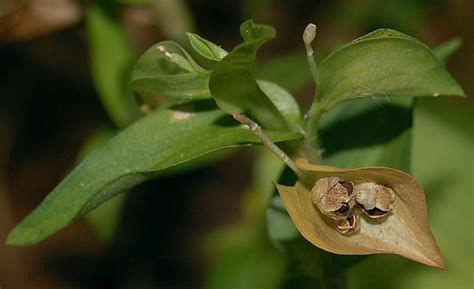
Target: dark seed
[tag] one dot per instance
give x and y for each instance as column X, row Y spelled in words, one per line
column 344, row 208
column 348, row 186
column 375, row 212
column 351, row 220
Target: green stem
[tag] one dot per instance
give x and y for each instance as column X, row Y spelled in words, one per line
column 257, row 130
column 311, row 126
column 310, row 146
column 312, row 65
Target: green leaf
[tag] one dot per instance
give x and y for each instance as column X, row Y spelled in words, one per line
column 368, row 132
column 233, row 84
column 156, row 79
column 446, row 49
column 105, row 219
column 206, row 48
column 382, row 63
column 283, row 101
column 162, row 140
column 111, row 59
column 244, row 267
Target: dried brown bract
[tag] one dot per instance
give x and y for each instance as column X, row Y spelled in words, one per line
column 334, row 197
column 405, row 231
column 374, row 199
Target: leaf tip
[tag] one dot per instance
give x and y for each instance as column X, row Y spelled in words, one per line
column 16, row 238
column 435, row 260
column 24, row 234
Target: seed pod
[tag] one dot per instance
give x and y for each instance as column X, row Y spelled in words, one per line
column 375, row 200
column 406, row 233
column 334, row 197
column 348, row 225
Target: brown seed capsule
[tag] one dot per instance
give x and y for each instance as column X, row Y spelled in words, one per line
column 334, row 197
column 375, row 200
column 348, row 225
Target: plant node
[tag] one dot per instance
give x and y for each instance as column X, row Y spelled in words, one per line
column 257, row 130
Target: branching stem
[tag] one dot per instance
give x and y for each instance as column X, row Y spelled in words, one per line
column 314, row 114
column 257, row 130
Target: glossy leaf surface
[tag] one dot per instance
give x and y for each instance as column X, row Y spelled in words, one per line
column 368, row 132
column 163, row 140
column 156, row 79
column 382, row 63
column 206, row 48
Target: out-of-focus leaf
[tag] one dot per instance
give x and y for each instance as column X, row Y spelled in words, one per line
column 243, row 252
column 156, row 78
column 206, row 48
column 137, row 2
column 247, row 267
column 280, row 228
column 290, row 71
column 111, row 59
column 405, row 231
column 404, row 15
column 174, row 18
column 162, row 140
column 233, row 84
column 446, row 49
column 382, row 63
column 106, row 218
column 266, row 167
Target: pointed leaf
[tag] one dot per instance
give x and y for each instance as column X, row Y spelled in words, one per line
column 382, row 63
column 206, row 48
column 446, row 49
column 167, row 138
column 111, row 58
column 233, row 84
column 405, row 231
column 156, row 78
